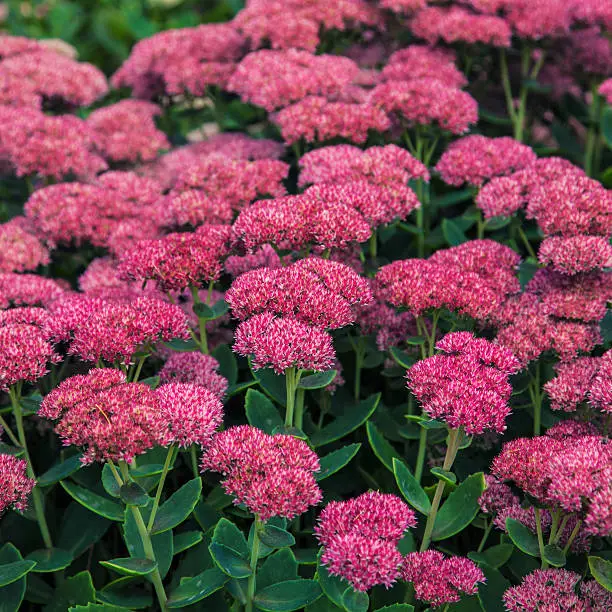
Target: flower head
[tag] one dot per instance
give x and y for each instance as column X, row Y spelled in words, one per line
column 360, row 538
column 20, row 249
column 196, row 368
column 270, row 475
column 28, row 290
column 575, row 254
column 441, row 580
column 15, row 486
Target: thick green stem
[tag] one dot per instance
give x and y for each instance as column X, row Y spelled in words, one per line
column 526, row 242
column 160, row 486
column 145, row 538
column 592, row 134
column 299, row 408
column 291, row 381
column 252, row 582
column 9, row 432
column 37, row 497
column 485, row 536
column 373, row 245
column 136, row 375
column 536, row 398
column 505, row 77
column 420, row 462
column 359, row 356
column 454, row 438
column 201, row 322
column 572, row 537
column 538, row 519
column 194, row 460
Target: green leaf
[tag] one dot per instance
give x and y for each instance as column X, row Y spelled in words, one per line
column 396, row 608
column 178, row 506
column 203, row 311
column 415, row 340
column 318, row 381
column 355, row 601
column 445, row 475
column 336, row 460
column 230, row 561
column 60, row 471
column 151, row 381
column 602, row 571
column 110, row 484
column 73, row 591
column 402, row 358
column 271, row 383
column 50, row 559
column 181, row 346
column 125, row 592
column 453, row 234
column 382, row 449
column 132, row 494
column 278, row 567
column 228, row 366
column 96, row 607
column 348, row 422
column 90, row 529
column 94, row 502
column 554, row 555
column 522, row 538
column 187, row 539
column 197, row 588
column 606, row 125
column 11, row 572
column 12, row 594
column 288, row 595
column 490, row 594
column 332, row 586
column 411, row 490
column 496, row 556
column 456, row 196
column 497, row 223
column 261, row 412
column 147, row 470
column 130, row 566
column 275, row 537
column 228, row 534
column 459, row 509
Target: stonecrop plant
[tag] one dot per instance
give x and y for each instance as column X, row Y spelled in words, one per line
column 304, row 306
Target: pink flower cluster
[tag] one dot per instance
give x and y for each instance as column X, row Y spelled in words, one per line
column 15, row 486
column 177, row 261
column 20, row 249
column 360, row 538
column 28, row 290
column 473, row 278
column 183, row 61
column 196, row 368
column 126, row 131
column 571, row 472
column 605, row 90
column 467, row 384
column 441, row 580
column 272, row 475
column 557, row 589
column 273, row 79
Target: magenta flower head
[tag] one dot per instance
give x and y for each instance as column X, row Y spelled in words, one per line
column 28, row 290
column 360, row 538
column 605, row 90
column 600, row 393
column 475, row 159
column 20, row 248
column 15, row 486
column 315, row 291
column 270, row 475
column 192, row 412
column 25, row 352
column 467, row 384
column 111, row 419
column 177, row 261
column 441, row 580
column 557, row 589
column 196, row 368
column 282, row 343
column 576, row 254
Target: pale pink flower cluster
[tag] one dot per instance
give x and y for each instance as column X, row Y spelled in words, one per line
column 28, row 290
column 196, row 368
column 360, row 538
column 15, row 486
column 20, row 248
column 272, row 475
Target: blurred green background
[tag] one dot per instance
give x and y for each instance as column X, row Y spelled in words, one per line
column 103, row 31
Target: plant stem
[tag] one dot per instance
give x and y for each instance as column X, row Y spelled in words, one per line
column 194, row 460
column 160, row 486
column 538, row 519
column 201, row 322
column 373, row 245
column 572, row 537
column 505, row 77
column 291, row 384
column 251, row 585
column 359, row 356
column 526, row 242
column 37, row 497
column 299, row 408
column 593, row 133
column 9, row 433
column 420, row 462
column 452, row 448
column 536, row 398
column 145, row 538
column 485, row 535
column 139, row 368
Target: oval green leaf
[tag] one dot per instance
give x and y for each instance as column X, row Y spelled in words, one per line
column 60, row 471
column 355, row 601
column 411, row 490
column 602, row 571
column 132, row 494
column 275, row 537
column 288, row 596
column 336, row 460
column 522, row 537
column 230, row 561
column 197, row 588
column 187, row 539
column 178, row 506
column 11, row 572
column 50, row 560
column 94, row 502
column 261, row 412
column 318, row 381
column 130, row 566
column 382, row 449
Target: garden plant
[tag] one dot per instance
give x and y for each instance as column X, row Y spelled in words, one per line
column 303, row 306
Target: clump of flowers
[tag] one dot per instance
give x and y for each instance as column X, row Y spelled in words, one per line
column 20, row 249
column 467, row 384
column 126, row 131
column 112, row 420
column 192, row 413
column 196, row 368
column 440, row 580
column 28, row 290
column 15, row 486
column 272, row 475
column 559, row 589
column 360, row 538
